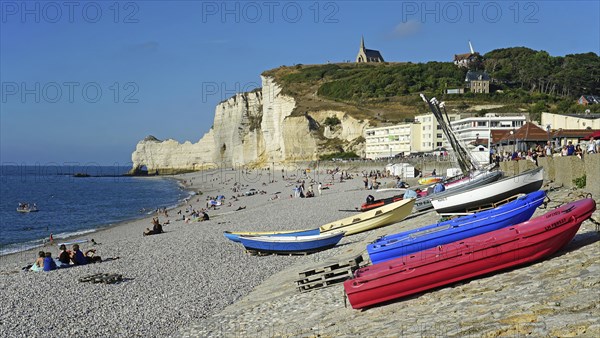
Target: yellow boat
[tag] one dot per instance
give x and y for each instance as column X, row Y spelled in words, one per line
column 429, row 180
column 372, row 219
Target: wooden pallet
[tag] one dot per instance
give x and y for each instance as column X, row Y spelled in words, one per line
column 329, row 274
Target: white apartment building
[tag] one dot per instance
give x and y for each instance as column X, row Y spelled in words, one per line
column 391, row 140
column 472, row 128
column 432, row 136
column 425, row 135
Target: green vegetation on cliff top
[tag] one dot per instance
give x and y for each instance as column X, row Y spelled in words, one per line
column 524, row 80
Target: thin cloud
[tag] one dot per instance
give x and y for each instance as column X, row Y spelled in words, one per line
column 405, row 29
column 146, row 47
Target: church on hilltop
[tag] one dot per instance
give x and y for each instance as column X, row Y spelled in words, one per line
column 368, row 55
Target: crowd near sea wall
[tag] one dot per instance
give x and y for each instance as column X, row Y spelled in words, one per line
column 563, row 170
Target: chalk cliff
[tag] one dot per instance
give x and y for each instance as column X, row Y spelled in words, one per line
column 254, row 128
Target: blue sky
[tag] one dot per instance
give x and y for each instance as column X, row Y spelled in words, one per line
column 84, row 82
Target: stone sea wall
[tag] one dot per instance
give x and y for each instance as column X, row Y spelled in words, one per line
column 563, row 170
column 254, row 128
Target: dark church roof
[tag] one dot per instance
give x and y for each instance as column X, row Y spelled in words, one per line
column 373, row 54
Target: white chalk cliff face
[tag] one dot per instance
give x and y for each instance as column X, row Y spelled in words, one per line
column 253, row 128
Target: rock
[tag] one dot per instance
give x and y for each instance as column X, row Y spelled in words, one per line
column 254, row 128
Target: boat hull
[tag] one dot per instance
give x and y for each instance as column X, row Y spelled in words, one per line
column 472, row 198
column 407, row 242
column 372, row 219
column 291, row 244
column 235, row 236
column 424, row 203
column 479, row 255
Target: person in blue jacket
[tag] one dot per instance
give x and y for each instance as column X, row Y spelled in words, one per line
column 49, row 263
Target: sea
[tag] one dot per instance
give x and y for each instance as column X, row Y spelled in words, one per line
column 70, row 206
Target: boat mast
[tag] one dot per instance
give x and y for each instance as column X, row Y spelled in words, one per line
column 465, row 160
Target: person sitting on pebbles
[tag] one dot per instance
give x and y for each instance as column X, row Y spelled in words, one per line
column 38, row 265
column 156, row 228
column 49, row 263
column 205, row 216
column 79, row 258
column 64, row 257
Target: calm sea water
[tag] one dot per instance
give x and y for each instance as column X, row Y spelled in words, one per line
column 71, row 206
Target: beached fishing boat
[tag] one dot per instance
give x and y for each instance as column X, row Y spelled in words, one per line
column 424, row 203
column 523, row 183
column 452, row 183
column 235, row 236
column 380, row 202
column 407, row 242
column 291, row 244
column 372, row 219
column 479, row 255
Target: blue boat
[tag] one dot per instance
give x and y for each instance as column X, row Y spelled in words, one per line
column 404, row 243
column 235, row 236
column 291, row 244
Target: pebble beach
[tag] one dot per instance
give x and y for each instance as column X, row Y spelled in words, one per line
column 191, row 281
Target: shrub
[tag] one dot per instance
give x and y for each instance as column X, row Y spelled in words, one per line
column 580, row 182
column 332, row 121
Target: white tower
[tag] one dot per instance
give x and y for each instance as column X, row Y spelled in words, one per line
column 471, row 47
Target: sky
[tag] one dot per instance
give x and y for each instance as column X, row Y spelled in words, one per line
column 84, row 81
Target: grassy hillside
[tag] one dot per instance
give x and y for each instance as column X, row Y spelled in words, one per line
column 524, row 81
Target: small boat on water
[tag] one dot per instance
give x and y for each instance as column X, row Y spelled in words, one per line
column 424, row 203
column 474, row 197
column 291, row 244
column 475, row 256
column 372, row 219
column 26, row 207
column 235, row 236
column 407, row 242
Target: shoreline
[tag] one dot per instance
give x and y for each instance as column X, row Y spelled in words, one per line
column 169, row 280
column 104, row 226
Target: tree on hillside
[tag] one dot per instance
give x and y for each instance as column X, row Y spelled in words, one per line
column 537, row 71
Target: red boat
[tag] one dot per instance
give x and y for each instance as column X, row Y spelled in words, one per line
column 479, row 255
column 380, row 202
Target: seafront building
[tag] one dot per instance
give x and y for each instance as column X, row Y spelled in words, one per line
column 392, row 140
column 571, row 121
column 472, row 129
column 432, row 136
column 425, row 135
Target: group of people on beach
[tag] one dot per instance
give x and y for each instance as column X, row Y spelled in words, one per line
column 66, row 258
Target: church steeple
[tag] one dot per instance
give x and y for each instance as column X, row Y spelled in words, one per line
column 367, row 55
